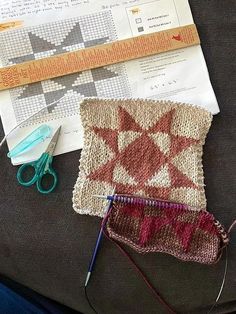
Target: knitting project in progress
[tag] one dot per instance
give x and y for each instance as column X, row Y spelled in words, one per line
column 141, row 147
column 149, row 225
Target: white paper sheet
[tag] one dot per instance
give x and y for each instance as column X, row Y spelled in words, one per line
column 178, row 75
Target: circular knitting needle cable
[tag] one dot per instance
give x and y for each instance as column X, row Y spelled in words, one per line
column 88, row 300
column 223, row 282
column 147, row 282
column 28, row 118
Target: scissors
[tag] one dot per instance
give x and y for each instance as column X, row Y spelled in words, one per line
column 42, row 167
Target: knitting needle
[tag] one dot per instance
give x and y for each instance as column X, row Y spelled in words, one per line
column 95, row 251
column 134, row 199
column 104, row 197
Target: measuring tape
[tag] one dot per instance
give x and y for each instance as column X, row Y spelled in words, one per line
column 94, row 57
column 6, row 26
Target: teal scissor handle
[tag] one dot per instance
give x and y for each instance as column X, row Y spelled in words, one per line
column 42, row 167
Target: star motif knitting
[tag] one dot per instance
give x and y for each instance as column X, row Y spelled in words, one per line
column 152, row 150
column 147, row 148
column 155, row 176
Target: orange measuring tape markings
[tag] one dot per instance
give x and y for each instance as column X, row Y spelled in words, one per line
column 101, row 55
column 8, row 25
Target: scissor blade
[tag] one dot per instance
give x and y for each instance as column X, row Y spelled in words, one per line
column 53, row 143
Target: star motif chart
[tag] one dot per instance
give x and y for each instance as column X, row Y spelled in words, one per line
column 54, row 38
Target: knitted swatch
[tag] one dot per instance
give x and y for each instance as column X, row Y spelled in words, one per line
column 156, row 226
column 143, row 147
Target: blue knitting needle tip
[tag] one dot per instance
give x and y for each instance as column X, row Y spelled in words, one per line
column 95, row 251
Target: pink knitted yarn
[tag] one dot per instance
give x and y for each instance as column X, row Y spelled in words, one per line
column 190, row 235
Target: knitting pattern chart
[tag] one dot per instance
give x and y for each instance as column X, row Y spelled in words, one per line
column 50, row 39
column 92, row 24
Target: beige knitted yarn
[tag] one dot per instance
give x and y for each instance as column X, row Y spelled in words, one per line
column 143, row 147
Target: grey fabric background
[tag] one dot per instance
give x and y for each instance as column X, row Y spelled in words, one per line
column 47, row 247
